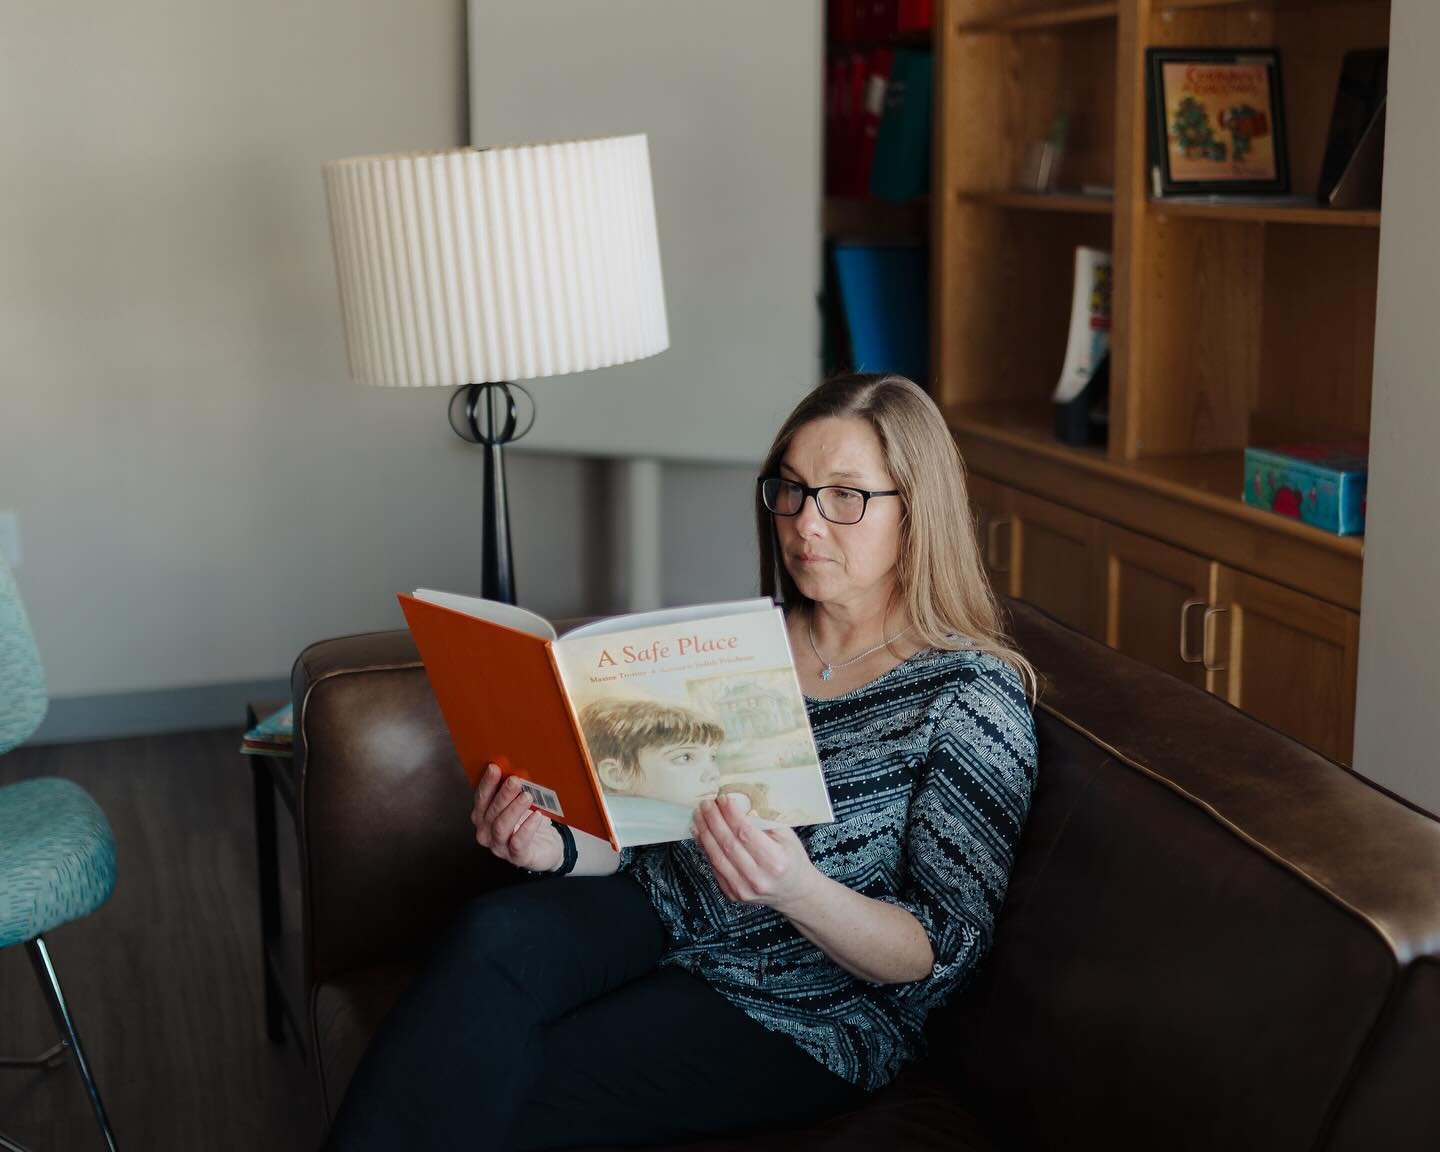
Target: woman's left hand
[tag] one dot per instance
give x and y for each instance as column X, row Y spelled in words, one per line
column 753, row 865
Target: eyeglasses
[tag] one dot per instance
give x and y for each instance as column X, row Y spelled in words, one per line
column 838, row 504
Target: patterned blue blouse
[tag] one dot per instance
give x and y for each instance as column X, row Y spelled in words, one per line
column 930, row 769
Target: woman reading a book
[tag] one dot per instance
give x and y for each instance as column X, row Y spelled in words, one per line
column 753, row 975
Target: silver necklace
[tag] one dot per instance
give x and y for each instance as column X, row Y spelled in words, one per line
column 829, row 669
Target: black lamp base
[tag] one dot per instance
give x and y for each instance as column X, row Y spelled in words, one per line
column 486, row 414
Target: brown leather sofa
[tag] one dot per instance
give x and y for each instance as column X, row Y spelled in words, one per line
column 1213, row 939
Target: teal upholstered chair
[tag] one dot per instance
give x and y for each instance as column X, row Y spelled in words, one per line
column 57, row 856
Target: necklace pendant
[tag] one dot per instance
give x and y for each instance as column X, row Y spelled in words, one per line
column 826, row 672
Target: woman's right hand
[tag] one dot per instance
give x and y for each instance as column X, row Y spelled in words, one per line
column 510, row 828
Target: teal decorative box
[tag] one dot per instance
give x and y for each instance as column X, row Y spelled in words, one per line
column 1319, row 484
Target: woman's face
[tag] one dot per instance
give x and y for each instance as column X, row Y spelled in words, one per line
column 840, row 564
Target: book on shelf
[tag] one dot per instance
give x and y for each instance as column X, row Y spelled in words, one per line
column 872, row 111
column 900, row 167
column 1351, row 173
column 620, row 727
column 272, row 735
column 1081, row 398
column 855, row 80
column 847, row 84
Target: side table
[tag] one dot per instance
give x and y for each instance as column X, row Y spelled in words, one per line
column 281, row 951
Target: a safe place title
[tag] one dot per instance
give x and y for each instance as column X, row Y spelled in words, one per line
column 659, row 650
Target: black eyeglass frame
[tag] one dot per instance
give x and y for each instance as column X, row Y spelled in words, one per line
column 806, row 492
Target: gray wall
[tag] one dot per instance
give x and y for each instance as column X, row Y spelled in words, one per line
column 1395, row 740
column 729, row 98
column 200, row 489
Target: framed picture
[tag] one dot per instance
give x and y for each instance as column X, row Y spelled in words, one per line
column 1217, row 124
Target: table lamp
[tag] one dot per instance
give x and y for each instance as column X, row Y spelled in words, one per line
column 474, row 268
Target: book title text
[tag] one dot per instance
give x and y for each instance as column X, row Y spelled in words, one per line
column 663, row 649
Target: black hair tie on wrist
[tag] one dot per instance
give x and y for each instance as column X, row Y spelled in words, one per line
column 567, row 842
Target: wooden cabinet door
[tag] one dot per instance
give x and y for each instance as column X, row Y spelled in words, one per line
column 1054, row 558
column 992, row 529
column 1287, row 659
column 1156, row 596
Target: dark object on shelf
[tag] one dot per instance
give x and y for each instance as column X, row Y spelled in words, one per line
column 1351, row 175
column 1217, row 121
column 1085, row 420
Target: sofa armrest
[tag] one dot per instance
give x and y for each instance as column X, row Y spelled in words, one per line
column 387, row 849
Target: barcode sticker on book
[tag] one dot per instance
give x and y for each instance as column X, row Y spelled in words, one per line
column 542, row 797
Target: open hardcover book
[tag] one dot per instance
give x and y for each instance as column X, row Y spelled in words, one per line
column 621, row 727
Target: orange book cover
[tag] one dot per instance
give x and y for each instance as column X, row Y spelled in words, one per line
column 623, row 725
column 503, row 702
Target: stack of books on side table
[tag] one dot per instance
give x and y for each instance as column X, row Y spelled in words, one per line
column 272, row 736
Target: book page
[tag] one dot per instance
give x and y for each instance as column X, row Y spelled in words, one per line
column 506, row 615
column 671, row 616
column 680, row 712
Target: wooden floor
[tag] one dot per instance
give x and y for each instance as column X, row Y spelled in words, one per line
column 164, row 980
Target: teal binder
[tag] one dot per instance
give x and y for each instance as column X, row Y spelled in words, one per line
column 901, row 170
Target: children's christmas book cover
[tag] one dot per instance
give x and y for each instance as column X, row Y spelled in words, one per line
column 1219, row 121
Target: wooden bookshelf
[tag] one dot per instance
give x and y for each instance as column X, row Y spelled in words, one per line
column 1234, row 323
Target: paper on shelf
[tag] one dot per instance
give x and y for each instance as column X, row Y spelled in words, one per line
column 1089, row 341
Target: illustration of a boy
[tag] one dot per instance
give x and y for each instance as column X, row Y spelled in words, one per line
column 656, row 762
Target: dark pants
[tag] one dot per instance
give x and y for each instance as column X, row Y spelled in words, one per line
column 544, row 1021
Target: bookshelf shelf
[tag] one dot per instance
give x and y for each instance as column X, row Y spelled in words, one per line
column 861, row 218
column 1209, row 480
column 1164, row 8
column 1042, row 20
column 920, row 38
column 1265, row 214
column 1042, row 201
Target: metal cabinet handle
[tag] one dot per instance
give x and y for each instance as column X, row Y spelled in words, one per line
column 1193, row 602
column 992, row 533
column 1208, row 647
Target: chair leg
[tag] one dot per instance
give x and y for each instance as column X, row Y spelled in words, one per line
column 45, row 972
column 268, row 856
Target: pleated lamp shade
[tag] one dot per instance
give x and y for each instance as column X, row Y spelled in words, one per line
column 474, row 266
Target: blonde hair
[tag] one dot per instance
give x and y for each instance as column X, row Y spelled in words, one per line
column 939, row 576
column 620, row 730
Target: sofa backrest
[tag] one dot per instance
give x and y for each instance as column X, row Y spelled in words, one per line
column 1213, row 937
